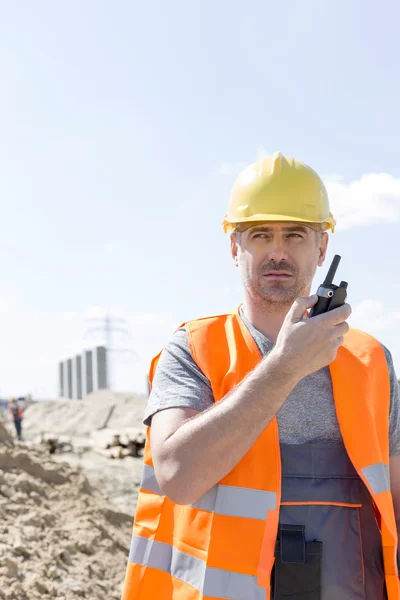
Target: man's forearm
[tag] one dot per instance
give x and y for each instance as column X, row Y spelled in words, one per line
column 207, row 447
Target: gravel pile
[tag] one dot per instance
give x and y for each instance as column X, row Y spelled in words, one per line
column 58, row 537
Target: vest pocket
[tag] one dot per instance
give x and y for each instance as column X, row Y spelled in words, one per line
column 298, row 565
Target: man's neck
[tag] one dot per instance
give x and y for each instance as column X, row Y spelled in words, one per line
column 268, row 322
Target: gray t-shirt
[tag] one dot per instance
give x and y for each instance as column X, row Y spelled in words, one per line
column 308, row 415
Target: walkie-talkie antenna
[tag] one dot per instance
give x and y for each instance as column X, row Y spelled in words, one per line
column 332, row 270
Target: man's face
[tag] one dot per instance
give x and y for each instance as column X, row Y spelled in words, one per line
column 277, row 261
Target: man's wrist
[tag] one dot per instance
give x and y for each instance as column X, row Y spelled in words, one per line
column 281, row 370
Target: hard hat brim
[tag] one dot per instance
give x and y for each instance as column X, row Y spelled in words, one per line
column 324, row 226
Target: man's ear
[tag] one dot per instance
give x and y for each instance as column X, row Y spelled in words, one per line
column 234, row 249
column 323, row 247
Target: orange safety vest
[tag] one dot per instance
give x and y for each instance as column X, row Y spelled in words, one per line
column 19, row 412
column 222, row 546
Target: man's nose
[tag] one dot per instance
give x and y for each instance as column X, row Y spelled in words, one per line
column 276, row 251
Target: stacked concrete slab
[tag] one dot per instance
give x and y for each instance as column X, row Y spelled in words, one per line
column 83, row 374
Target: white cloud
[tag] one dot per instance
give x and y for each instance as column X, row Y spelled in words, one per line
column 372, row 316
column 375, row 197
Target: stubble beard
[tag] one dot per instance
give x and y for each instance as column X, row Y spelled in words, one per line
column 276, row 297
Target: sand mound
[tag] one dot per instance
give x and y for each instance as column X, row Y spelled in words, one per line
column 58, row 537
column 4, row 434
column 80, row 417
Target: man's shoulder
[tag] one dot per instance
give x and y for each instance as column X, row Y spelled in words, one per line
column 361, row 341
column 201, row 322
column 358, row 336
column 179, row 338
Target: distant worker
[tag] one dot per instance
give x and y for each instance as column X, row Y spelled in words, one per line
column 16, row 413
column 272, row 461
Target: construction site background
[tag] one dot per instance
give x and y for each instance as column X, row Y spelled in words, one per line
column 68, row 493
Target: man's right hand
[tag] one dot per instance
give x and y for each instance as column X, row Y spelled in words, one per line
column 306, row 345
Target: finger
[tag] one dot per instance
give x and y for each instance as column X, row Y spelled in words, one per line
column 340, row 341
column 300, row 306
column 341, row 329
column 337, row 315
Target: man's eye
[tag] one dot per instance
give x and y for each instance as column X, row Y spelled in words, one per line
column 259, row 235
column 297, row 235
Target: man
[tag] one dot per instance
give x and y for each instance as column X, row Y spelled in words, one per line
column 266, row 468
column 16, row 415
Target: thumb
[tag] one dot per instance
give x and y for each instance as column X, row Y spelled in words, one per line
column 300, row 306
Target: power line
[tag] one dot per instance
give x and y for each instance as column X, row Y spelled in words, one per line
column 108, row 326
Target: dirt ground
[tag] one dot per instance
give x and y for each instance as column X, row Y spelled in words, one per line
column 116, row 480
column 65, row 519
column 83, row 421
column 59, row 536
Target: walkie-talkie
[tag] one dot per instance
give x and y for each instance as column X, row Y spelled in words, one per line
column 330, row 296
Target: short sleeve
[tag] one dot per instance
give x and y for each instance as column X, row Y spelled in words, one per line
column 178, row 381
column 394, row 418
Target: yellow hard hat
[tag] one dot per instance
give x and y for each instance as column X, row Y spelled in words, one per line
column 279, row 188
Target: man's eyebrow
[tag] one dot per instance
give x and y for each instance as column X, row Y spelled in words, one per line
column 296, row 228
column 264, row 228
column 267, row 229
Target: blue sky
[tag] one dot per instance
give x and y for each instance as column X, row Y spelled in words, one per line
column 122, row 128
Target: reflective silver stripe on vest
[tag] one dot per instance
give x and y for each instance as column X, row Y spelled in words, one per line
column 207, row 501
column 244, row 502
column 226, row 584
column 217, row 583
column 149, row 481
column 164, row 557
column 234, row 501
column 229, row 500
column 378, row 477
